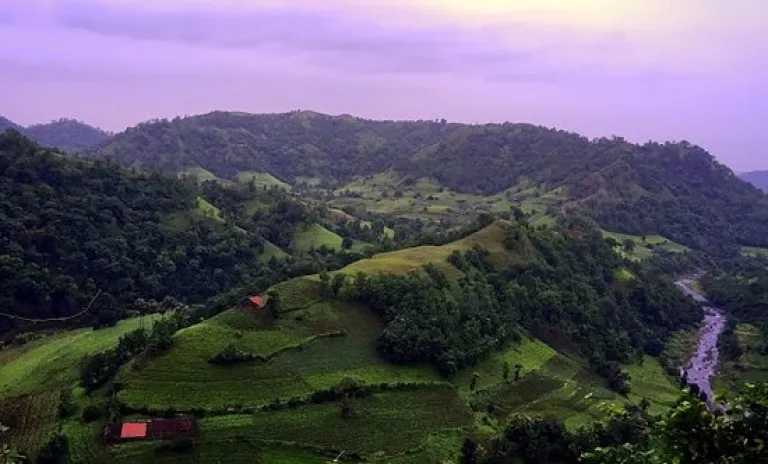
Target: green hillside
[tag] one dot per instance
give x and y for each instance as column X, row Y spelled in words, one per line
column 77, row 228
column 276, row 404
column 69, row 135
column 676, row 190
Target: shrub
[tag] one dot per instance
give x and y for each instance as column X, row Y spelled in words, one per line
column 91, row 413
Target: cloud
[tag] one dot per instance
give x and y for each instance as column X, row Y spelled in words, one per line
column 347, row 42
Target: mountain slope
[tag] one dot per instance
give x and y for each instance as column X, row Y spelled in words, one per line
column 6, row 124
column 75, row 228
column 757, row 178
column 64, row 134
column 674, row 189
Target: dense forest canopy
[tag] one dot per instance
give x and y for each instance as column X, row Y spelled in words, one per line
column 674, row 189
column 73, row 228
column 64, row 134
column 571, row 289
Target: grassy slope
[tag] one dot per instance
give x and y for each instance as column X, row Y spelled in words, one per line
column 421, row 421
column 754, row 251
column 271, row 250
column 426, row 198
column 205, row 208
column 201, row 174
column 53, row 361
column 411, row 259
column 551, row 383
column 261, row 179
column 644, row 247
column 31, row 376
column 751, row 365
column 315, row 236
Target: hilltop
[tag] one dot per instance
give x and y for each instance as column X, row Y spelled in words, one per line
column 64, row 134
column 676, row 190
column 327, row 372
column 757, row 178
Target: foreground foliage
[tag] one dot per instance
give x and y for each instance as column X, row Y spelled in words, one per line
column 688, row 433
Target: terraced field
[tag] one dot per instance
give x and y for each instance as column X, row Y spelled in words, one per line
column 644, row 246
column 315, row 345
column 32, row 374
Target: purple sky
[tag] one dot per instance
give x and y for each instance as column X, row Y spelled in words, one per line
column 650, row 69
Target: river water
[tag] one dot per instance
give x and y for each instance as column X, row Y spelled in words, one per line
column 701, row 368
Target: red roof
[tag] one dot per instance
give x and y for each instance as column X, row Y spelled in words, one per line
column 257, row 300
column 133, row 430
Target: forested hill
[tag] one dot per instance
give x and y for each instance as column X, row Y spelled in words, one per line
column 674, row 189
column 6, row 124
column 72, row 228
column 67, row 134
column 64, row 134
column 757, row 178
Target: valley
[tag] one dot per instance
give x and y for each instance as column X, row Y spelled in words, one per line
column 411, row 304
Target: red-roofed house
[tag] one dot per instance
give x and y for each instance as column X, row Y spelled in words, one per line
column 255, row 302
column 133, row 430
column 155, row 429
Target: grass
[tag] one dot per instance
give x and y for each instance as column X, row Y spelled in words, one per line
column 184, row 379
column 235, row 449
column 754, row 251
column 53, row 362
column 391, row 422
column 30, row 418
column 206, row 209
column 680, row 348
column 411, row 259
column 649, row 380
column 644, row 246
column 261, row 179
column 383, row 425
column 315, row 236
column 271, row 251
column 201, row 174
column 751, row 366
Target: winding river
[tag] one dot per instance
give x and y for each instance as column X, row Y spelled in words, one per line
column 701, row 367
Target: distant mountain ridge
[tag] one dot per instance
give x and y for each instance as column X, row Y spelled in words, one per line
column 674, row 189
column 65, row 134
column 757, row 178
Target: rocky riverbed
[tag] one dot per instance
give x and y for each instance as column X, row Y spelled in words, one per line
column 701, row 368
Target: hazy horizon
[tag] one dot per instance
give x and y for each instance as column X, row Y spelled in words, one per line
column 693, row 71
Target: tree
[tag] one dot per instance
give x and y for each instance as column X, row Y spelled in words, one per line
column 349, row 388
column 346, row 243
column 273, row 304
column 325, row 280
column 469, row 451
column 518, row 367
column 505, row 370
column 473, row 381
column 337, row 283
column 56, row 450
column 67, row 403
column 629, row 246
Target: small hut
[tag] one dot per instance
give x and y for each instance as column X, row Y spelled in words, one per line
column 155, row 429
column 254, row 303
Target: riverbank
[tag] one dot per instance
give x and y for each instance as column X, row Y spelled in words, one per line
column 702, row 366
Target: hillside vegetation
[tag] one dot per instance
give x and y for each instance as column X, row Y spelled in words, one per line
column 74, row 229
column 64, row 134
column 676, row 190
